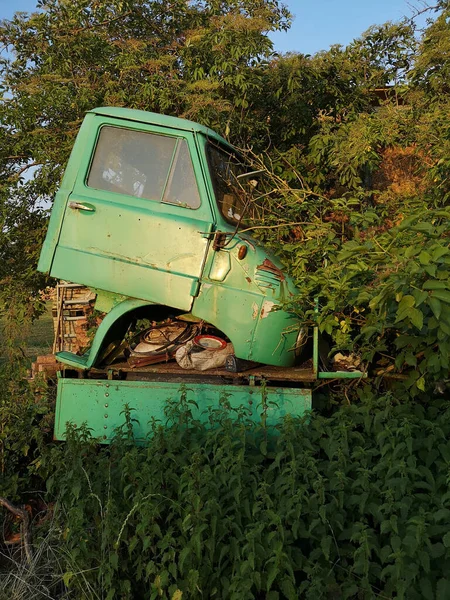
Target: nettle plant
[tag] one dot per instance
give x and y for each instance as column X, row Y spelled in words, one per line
column 352, row 506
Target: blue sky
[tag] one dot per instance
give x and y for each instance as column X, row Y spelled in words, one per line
column 318, row 23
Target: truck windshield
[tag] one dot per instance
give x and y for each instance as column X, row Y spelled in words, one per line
column 232, row 195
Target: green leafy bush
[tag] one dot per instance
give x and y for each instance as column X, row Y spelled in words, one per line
column 26, row 426
column 351, row 506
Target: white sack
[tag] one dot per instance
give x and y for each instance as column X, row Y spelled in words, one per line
column 204, row 360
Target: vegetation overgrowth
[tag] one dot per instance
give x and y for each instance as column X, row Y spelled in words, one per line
column 355, row 143
column 349, row 505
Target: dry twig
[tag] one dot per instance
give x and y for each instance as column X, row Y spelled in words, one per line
column 25, row 525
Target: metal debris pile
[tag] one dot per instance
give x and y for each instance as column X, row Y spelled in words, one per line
column 193, row 345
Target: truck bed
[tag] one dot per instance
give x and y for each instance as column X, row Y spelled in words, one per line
column 172, row 371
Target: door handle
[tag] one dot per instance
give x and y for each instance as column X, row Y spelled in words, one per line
column 79, row 206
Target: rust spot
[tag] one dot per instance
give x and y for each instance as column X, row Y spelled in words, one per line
column 248, row 279
column 266, row 309
column 255, row 310
column 268, row 266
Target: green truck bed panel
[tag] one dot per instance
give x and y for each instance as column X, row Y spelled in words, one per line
column 101, row 403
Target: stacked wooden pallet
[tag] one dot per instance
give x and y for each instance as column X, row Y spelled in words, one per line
column 72, row 315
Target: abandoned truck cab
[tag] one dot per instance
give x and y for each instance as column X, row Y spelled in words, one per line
column 147, row 217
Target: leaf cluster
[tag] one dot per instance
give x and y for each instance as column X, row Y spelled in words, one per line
column 356, row 504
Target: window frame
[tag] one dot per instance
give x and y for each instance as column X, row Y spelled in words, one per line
column 230, row 152
column 179, row 139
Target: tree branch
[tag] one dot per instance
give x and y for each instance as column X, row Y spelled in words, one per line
column 107, row 22
column 25, row 526
column 420, row 11
column 275, row 226
column 34, row 164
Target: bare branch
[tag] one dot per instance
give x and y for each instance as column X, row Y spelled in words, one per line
column 107, row 22
column 276, row 226
column 25, row 526
column 23, row 169
column 424, row 9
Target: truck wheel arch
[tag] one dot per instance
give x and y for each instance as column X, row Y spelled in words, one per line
column 115, row 324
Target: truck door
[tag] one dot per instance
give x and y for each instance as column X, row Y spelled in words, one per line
column 136, row 219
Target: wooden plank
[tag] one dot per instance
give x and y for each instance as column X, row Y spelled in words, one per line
column 303, row 373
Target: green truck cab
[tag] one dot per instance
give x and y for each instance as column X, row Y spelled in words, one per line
column 147, row 215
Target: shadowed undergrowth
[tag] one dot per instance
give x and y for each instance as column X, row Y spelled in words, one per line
column 355, row 505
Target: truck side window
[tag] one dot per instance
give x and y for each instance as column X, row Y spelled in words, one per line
column 131, row 162
column 182, row 186
column 225, row 169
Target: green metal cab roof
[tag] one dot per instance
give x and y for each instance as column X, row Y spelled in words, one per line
column 152, row 118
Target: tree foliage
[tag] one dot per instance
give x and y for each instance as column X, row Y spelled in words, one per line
column 363, row 225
